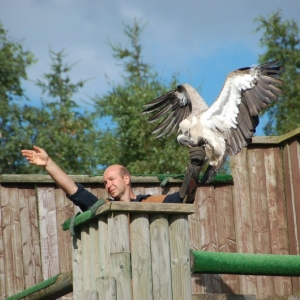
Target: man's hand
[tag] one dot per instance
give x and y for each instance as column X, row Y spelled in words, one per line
column 37, row 156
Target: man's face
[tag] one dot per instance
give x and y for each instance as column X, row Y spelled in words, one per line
column 115, row 184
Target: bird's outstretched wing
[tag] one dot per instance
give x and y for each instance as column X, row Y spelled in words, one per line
column 173, row 107
column 245, row 93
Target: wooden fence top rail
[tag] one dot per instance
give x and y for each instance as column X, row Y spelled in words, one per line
column 275, row 139
column 144, row 179
column 39, row 178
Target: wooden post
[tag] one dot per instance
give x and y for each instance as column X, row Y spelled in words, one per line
column 132, row 251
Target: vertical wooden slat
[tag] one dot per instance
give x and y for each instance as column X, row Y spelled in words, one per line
column 64, row 211
column 48, row 231
column 104, row 254
column 180, row 257
column 260, row 216
column 277, row 214
column 295, row 172
column 226, row 233
column 118, row 229
column 294, row 150
column 94, row 253
column 160, row 252
column 30, row 237
column 77, row 264
column 141, row 257
column 106, row 284
column 292, row 214
column 12, row 240
column 86, row 253
column 195, row 241
column 290, row 201
column 208, row 234
column 243, row 220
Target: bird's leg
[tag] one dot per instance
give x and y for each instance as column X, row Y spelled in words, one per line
column 191, row 178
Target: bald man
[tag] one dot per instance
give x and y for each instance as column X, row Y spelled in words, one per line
column 117, row 182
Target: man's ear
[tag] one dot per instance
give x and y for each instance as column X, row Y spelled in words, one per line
column 127, row 178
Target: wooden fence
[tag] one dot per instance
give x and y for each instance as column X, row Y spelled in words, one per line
column 256, row 213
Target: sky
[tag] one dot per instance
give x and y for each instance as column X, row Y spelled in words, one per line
column 200, row 40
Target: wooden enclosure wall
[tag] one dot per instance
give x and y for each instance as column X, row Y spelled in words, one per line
column 259, row 212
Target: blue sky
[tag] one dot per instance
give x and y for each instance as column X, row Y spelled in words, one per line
column 202, row 40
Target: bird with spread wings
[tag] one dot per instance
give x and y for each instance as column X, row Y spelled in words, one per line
column 228, row 124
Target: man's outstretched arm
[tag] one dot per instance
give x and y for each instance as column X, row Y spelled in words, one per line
column 39, row 157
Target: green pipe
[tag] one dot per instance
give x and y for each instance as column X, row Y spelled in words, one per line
column 245, row 264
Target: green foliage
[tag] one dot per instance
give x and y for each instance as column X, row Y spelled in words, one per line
column 67, row 133
column 281, row 41
column 131, row 142
column 13, row 61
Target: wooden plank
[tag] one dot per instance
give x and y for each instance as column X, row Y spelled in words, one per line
column 276, row 140
column 292, row 216
column 85, row 253
column 90, row 253
column 295, row 179
column 195, row 240
column 243, row 219
column 160, row 252
column 290, row 202
column 277, row 214
column 118, row 229
column 77, row 264
column 104, row 243
column 260, row 216
column 87, row 295
column 12, row 240
column 30, row 237
column 226, row 233
column 48, row 231
column 94, row 253
column 295, row 170
column 37, row 178
column 107, row 288
column 151, row 190
column 64, row 211
column 148, row 207
column 121, row 271
column 180, row 257
column 141, row 256
column 208, row 235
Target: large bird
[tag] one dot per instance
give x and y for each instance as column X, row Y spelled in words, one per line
column 228, row 124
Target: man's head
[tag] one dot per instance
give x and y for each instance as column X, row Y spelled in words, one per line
column 117, row 182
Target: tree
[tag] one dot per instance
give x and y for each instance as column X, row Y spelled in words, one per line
column 13, row 60
column 281, row 40
column 66, row 131
column 130, row 142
